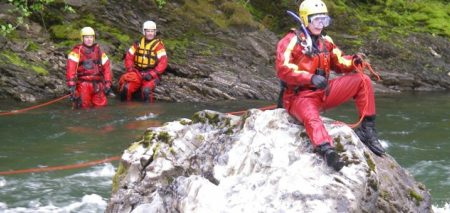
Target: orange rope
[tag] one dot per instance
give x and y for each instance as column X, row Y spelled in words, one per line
column 56, row 168
column 95, row 162
column 33, row 107
column 360, row 69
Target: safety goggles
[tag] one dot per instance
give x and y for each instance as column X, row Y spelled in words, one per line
column 316, row 20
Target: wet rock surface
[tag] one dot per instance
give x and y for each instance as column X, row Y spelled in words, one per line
column 258, row 162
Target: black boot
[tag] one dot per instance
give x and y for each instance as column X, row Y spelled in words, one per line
column 368, row 135
column 330, row 155
column 123, row 93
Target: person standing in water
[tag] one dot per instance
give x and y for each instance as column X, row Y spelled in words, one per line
column 88, row 72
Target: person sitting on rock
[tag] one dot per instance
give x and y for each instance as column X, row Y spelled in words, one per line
column 308, row 89
column 145, row 61
column 88, row 72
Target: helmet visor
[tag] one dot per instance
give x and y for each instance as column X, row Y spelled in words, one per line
column 317, row 20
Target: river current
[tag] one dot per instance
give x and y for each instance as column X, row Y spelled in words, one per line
column 415, row 128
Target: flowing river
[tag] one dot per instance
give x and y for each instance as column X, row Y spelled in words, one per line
column 415, row 128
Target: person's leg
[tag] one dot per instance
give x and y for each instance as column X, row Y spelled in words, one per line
column 359, row 87
column 98, row 98
column 85, row 89
column 356, row 86
column 147, row 90
column 306, row 110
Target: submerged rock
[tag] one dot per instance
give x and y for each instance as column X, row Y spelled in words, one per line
column 259, row 162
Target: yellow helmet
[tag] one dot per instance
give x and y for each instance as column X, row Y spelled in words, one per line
column 310, row 7
column 87, row 31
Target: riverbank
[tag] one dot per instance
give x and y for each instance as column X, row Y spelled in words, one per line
column 216, row 51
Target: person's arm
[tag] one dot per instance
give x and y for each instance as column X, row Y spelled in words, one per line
column 71, row 67
column 106, row 69
column 161, row 59
column 287, row 70
column 340, row 63
column 129, row 58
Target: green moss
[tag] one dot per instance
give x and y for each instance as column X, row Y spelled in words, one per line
column 385, row 195
column 16, row 60
column 149, row 135
column 416, row 196
column 229, row 131
column 156, row 150
column 172, row 150
column 200, row 138
column 370, row 162
column 198, row 118
column 164, row 137
column 39, row 70
column 338, row 145
column 134, row 146
column 32, row 46
column 373, row 184
column 185, row 122
column 65, row 32
column 120, row 173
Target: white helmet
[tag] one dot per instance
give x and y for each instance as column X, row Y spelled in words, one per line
column 148, row 25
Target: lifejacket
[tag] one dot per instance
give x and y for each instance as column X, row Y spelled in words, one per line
column 90, row 64
column 145, row 55
column 320, row 56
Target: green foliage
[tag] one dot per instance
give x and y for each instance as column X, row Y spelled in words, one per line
column 23, row 9
column 160, row 3
column 402, row 16
column 230, row 14
column 363, row 17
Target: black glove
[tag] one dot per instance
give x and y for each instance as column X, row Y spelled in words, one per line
column 319, row 81
column 147, row 77
column 72, row 90
column 107, row 90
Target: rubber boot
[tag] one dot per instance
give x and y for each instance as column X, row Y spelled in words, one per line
column 368, row 135
column 330, row 155
column 123, row 93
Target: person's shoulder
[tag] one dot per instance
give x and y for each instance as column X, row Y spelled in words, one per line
column 287, row 38
column 160, row 43
column 77, row 47
column 328, row 39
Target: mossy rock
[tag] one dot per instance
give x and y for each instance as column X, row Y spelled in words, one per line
column 120, row 173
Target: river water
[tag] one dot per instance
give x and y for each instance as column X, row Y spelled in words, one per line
column 415, row 128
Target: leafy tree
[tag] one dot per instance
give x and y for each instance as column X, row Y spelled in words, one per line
column 24, row 9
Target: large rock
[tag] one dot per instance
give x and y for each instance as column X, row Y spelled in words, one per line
column 259, row 162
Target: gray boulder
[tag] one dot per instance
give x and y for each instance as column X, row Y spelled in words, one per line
column 259, row 162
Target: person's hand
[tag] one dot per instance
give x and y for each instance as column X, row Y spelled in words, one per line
column 319, row 81
column 72, row 90
column 148, row 76
column 107, row 90
column 358, row 58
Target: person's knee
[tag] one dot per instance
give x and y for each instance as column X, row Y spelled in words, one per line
column 124, row 92
column 146, row 93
